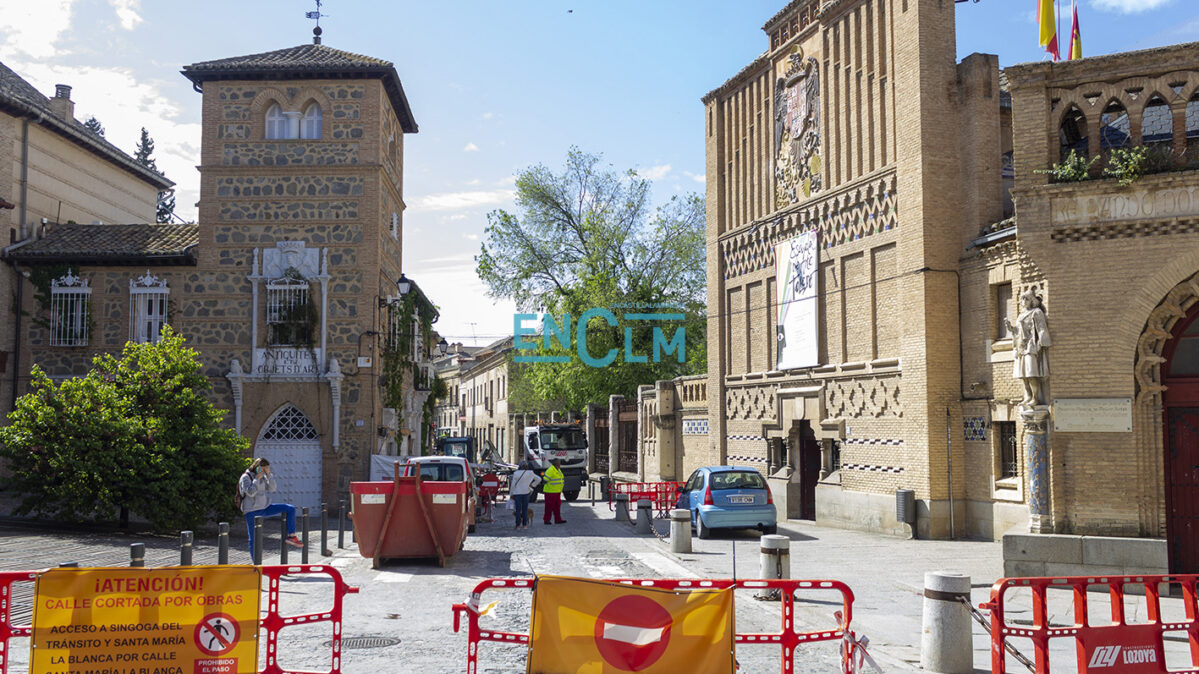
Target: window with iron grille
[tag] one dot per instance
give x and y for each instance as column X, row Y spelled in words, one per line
column 70, row 310
column 290, row 314
column 834, row 456
column 1009, row 463
column 148, row 308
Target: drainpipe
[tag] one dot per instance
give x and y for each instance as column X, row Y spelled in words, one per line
column 949, row 461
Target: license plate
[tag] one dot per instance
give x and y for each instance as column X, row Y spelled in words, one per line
column 741, row 499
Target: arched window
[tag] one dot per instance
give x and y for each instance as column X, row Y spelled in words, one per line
column 1193, row 130
column 1073, row 133
column 276, row 122
column 310, row 125
column 1113, row 127
column 1157, row 133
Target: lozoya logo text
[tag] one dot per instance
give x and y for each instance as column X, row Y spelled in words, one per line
column 1107, row 656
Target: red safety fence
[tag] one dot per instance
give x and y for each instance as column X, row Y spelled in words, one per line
column 272, row 622
column 787, row 638
column 1131, row 642
column 664, row 495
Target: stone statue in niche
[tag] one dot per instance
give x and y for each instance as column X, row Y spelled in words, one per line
column 1030, row 344
column 797, row 162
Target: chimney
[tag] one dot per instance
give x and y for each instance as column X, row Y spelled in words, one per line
column 61, row 104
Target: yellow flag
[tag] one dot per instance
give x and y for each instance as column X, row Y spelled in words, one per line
column 597, row 627
column 1048, row 20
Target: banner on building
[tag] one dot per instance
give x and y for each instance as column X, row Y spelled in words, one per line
column 796, row 263
column 584, row 625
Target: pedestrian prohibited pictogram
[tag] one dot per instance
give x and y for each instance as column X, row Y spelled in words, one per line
column 217, row 633
column 632, row 632
column 590, row 625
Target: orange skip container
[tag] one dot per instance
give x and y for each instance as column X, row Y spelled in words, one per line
column 409, row 517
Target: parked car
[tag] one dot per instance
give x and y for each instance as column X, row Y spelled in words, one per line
column 728, row 497
column 447, row 469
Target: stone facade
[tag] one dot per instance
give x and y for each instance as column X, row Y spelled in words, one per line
column 933, row 214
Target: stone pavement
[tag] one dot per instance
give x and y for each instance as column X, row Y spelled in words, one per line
column 885, row 573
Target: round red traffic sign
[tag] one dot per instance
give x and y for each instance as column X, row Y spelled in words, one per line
column 217, row 633
column 632, row 632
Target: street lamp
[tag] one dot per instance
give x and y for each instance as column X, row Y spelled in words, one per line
column 442, row 347
column 403, row 284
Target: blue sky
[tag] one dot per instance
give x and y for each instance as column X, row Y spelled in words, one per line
column 495, row 87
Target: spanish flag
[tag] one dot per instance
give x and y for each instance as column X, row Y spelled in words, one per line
column 599, row 627
column 1075, row 37
column 1047, row 17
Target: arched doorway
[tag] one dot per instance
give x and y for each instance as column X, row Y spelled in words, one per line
column 290, row 442
column 1180, row 403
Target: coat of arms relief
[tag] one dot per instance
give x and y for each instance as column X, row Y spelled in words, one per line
column 798, row 166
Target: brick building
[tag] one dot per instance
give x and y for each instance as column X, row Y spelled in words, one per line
column 290, row 286
column 869, row 230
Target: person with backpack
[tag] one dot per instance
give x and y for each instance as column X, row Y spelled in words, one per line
column 254, row 492
column 520, row 487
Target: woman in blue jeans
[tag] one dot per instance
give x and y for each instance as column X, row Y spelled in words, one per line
column 520, row 487
column 256, row 486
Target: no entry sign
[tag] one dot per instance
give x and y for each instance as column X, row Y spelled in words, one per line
column 132, row 621
column 632, row 632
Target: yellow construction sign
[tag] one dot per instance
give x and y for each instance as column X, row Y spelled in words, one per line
column 593, row 626
column 172, row 620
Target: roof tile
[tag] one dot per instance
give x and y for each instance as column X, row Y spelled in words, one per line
column 111, row 243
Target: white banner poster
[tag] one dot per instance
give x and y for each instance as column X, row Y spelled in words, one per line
column 795, row 273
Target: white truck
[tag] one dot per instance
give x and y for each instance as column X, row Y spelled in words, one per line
column 558, row 441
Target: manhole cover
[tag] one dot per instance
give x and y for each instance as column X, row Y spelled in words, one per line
column 366, row 642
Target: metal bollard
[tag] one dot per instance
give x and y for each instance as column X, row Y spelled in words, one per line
column 605, row 487
column 622, row 507
column 325, row 551
column 304, row 536
column 645, row 516
column 137, row 554
column 341, row 524
column 222, row 543
column 282, row 538
column 256, row 553
column 775, row 564
column 186, row 538
column 945, row 645
column 680, row 531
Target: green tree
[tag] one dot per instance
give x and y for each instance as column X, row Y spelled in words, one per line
column 92, row 124
column 136, row 434
column 164, row 212
column 588, row 237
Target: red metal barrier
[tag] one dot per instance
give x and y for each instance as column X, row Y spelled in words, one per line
column 787, row 639
column 1117, row 647
column 272, row 622
column 664, row 495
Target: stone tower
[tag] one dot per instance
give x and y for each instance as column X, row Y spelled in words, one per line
column 301, row 203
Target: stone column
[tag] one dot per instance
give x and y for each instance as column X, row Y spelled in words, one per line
column 1036, row 447
column 613, row 432
column 591, row 407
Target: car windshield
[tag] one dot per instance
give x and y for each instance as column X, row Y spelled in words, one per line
column 737, row 479
column 437, row 472
column 454, row 449
column 562, row 438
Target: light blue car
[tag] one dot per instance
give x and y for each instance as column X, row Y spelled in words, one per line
column 728, row 497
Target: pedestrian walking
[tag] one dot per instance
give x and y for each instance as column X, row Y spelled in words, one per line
column 554, row 480
column 520, row 488
column 256, row 486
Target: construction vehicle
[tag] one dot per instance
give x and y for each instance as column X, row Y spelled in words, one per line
column 567, row 442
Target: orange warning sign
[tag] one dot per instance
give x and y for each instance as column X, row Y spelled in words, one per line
column 175, row 620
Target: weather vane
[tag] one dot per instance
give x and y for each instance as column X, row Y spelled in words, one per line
column 316, row 32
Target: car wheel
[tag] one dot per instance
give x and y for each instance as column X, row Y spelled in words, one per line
column 571, row 495
column 702, row 529
column 772, row 529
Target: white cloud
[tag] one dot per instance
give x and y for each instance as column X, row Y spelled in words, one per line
column 470, row 147
column 1129, row 6
column 654, row 173
column 488, row 115
column 33, row 28
column 471, row 237
column 127, row 12
column 452, row 201
column 699, row 178
column 476, row 181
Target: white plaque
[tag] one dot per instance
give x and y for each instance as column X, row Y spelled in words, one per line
column 445, row 498
column 374, row 499
column 1092, row 415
